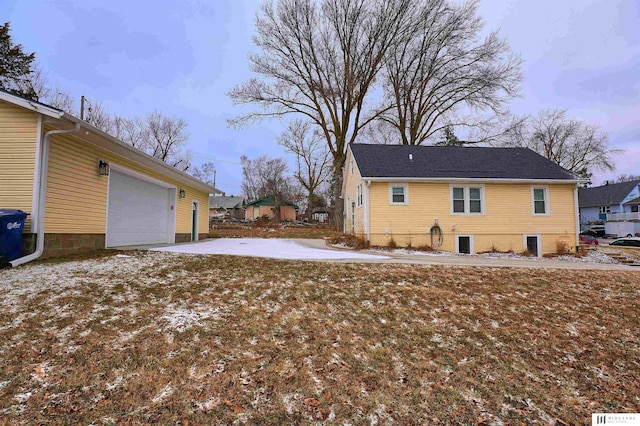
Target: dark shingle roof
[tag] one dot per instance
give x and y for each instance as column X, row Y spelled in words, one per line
column 270, row 200
column 605, row 195
column 216, row 202
column 392, row 161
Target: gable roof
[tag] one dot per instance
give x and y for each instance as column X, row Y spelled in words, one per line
column 605, row 195
column 270, row 200
column 411, row 161
column 224, row 202
column 94, row 136
column 635, row 201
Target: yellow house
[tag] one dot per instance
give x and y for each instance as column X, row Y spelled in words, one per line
column 84, row 189
column 459, row 199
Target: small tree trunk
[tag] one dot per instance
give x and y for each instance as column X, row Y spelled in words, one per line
column 338, row 202
column 310, row 207
column 277, row 217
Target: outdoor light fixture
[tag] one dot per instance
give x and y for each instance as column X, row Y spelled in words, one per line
column 103, row 168
column 183, row 193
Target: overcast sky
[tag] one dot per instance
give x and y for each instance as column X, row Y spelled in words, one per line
column 182, row 57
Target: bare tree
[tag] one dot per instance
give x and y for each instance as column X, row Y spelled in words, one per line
column 206, row 173
column 626, row 178
column 132, row 131
column 319, row 60
column 167, row 137
column 313, row 162
column 578, row 147
column 266, row 176
column 440, row 70
column 98, row 116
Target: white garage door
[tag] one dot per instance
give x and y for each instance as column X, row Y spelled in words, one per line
column 139, row 212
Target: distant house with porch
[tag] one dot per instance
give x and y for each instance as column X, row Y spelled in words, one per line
column 222, row 207
column 266, row 207
column 320, row 214
column 614, row 204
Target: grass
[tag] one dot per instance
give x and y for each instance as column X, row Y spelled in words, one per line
column 252, row 231
column 178, row 339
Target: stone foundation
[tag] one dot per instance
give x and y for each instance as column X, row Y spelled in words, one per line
column 185, row 238
column 56, row 245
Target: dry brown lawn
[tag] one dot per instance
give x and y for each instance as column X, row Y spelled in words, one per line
column 252, row 231
column 184, row 339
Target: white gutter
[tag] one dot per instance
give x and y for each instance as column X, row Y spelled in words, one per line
column 37, row 223
column 367, row 229
column 486, row 180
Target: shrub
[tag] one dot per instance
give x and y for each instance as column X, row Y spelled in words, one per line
column 562, row 247
column 392, row 243
column 350, row 241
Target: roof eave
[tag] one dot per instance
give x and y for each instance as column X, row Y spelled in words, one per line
column 120, row 148
column 457, row 179
column 31, row 105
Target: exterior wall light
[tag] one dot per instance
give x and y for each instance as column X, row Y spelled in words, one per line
column 183, row 193
column 103, row 168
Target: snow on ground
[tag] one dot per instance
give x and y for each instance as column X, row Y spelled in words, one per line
column 264, row 247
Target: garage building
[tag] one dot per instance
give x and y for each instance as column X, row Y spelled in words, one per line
column 85, row 189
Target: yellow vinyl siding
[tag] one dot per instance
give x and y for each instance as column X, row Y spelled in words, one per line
column 508, row 216
column 77, row 195
column 18, row 138
column 350, row 196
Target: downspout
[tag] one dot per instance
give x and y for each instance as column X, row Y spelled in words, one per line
column 576, row 215
column 42, row 195
column 367, row 228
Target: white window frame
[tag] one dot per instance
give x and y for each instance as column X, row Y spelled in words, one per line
column 605, row 210
column 467, row 200
column 359, row 196
column 546, row 201
column 471, row 248
column 524, row 243
column 405, row 187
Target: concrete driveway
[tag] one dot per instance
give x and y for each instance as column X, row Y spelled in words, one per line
column 316, row 249
column 275, row 248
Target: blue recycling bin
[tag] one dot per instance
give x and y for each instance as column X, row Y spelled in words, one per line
column 11, row 226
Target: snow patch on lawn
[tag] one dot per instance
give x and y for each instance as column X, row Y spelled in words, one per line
column 182, row 319
column 273, row 248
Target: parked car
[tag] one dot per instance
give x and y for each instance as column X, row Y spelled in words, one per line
column 627, row 242
column 588, row 240
column 598, row 229
column 589, row 231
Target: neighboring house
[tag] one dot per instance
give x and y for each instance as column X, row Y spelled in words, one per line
column 598, row 201
column 226, row 207
column 265, row 207
column 615, row 204
column 459, row 199
column 320, row 214
column 86, row 190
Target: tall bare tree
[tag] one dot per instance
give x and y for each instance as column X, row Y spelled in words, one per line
column 442, row 76
column 319, row 59
column 206, row 173
column 167, row 138
column 579, row 147
column 313, row 162
column 266, row 176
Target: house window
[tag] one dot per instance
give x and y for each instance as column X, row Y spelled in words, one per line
column 351, row 164
column 359, row 197
column 467, row 200
column 605, row 209
column 540, row 201
column 634, row 209
column 398, row 194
